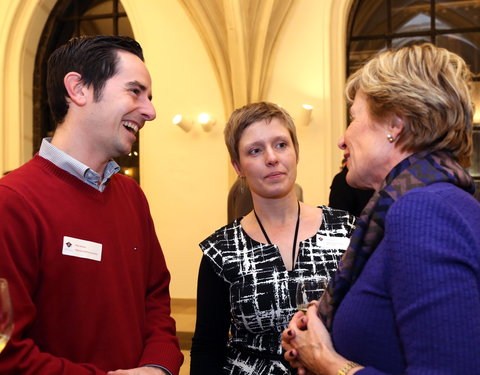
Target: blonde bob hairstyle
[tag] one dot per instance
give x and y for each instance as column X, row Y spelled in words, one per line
column 426, row 86
column 243, row 117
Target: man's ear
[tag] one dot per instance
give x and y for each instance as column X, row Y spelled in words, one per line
column 76, row 89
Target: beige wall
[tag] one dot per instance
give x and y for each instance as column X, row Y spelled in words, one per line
column 302, row 75
column 186, row 175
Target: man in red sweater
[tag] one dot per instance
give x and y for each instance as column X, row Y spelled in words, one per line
column 77, row 242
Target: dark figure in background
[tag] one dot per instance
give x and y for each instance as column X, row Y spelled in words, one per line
column 240, row 201
column 344, row 197
column 88, row 278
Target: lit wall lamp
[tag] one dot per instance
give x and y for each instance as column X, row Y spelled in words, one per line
column 305, row 115
column 206, row 121
column 183, row 123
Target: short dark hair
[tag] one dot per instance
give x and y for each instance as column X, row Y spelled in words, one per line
column 95, row 58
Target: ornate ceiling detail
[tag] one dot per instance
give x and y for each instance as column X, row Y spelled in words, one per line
column 240, row 37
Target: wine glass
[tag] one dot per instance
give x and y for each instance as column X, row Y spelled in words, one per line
column 309, row 290
column 6, row 314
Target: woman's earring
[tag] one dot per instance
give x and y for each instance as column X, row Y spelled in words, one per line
column 390, row 138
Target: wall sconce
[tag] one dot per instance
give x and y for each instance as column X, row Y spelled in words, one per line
column 305, row 115
column 183, row 123
column 206, row 121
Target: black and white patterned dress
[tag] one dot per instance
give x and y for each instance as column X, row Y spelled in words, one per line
column 262, row 290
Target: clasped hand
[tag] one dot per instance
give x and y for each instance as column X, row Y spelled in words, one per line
column 308, row 346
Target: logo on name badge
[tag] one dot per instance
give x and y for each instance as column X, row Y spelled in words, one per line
column 76, row 247
column 340, row 243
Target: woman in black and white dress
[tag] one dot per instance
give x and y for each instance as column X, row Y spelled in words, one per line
column 250, row 268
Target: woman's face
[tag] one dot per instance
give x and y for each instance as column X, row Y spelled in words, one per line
column 367, row 149
column 267, row 158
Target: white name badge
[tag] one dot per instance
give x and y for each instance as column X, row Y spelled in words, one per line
column 334, row 242
column 82, row 249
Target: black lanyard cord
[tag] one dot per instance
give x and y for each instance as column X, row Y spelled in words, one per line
column 297, row 226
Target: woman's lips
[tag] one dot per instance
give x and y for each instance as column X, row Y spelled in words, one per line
column 275, row 175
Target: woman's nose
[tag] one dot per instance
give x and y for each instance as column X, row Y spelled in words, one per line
column 271, row 156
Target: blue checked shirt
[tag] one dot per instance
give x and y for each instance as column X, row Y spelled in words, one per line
column 77, row 168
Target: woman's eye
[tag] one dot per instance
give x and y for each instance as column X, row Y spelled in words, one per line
column 282, row 145
column 254, row 151
column 135, row 91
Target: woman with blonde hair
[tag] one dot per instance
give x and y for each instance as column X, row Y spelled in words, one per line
column 406, row 296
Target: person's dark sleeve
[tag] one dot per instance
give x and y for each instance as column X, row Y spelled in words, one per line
column 209, row 343
column 341, row 196
column 344, row 197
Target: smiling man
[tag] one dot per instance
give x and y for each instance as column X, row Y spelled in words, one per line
column 78, row 246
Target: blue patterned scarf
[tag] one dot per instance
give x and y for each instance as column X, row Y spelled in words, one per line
column 417, row 170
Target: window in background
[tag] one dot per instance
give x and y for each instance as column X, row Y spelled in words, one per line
column 71, row 18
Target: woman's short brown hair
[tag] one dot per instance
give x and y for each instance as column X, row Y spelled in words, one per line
column 243, row 117
column 428, row 87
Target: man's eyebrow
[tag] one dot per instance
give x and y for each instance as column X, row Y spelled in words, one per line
column 140, row 86
column 136, row 84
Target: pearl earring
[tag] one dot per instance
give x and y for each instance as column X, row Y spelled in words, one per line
column 390, row 138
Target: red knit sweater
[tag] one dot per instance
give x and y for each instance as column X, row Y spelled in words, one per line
column 74, row 315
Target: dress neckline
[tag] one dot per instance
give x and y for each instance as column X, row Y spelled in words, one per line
column 300, row 244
